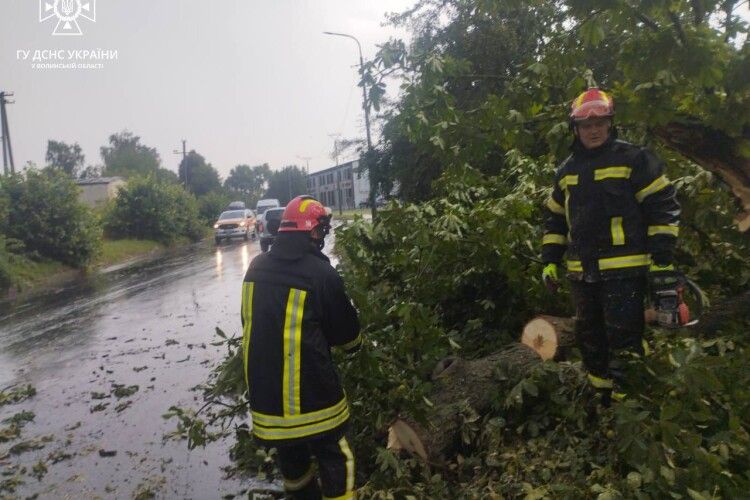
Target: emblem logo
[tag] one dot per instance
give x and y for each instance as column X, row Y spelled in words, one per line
column 67, row 12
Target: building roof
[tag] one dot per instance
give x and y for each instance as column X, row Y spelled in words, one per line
column 98, row 180
column 334, row 168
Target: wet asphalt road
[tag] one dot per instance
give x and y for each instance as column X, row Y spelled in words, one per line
column 148, row 325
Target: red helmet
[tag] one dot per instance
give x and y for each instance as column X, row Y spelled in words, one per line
column 593, row 103
column 304, row 213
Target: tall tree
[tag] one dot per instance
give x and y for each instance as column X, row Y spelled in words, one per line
column 287, row 183
column 91, row 172
column 199, row 177
column 482, row 79
column 68, row 158
column 126, row 156
column 248, row 182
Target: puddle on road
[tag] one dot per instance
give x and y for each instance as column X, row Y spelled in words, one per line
column 108, row 357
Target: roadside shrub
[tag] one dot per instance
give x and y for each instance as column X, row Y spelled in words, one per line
column 150, row 210
column 44, row 214
column 210, row 205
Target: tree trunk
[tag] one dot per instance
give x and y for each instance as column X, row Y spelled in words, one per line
column 734, row 309
column 462, row 389
column 551, row 337
column 718, row 153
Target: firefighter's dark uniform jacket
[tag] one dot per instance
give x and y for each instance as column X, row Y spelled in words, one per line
column 613, row 210
column 294, row 309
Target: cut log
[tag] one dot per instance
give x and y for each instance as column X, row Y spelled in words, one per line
column 462, row 390
column 549, row 336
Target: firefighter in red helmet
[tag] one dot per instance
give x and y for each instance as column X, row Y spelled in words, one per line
column 615, row 215
column 294, row 309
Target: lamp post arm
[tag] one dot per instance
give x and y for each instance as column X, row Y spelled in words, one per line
column 366, row 106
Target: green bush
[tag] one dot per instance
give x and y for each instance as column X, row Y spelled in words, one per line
column 210, row 205
column 44, row 214
column 149, row 210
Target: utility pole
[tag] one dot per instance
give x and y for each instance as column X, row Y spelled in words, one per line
column 289, row 182
column 184, row 157
column 335, row 137
column 366, row 106
column 307, row 172
column 7, row 148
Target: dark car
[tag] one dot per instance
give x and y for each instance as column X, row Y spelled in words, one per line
column 268, row 227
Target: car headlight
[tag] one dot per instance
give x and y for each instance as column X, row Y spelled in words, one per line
column 216, row 226
column 242, row 224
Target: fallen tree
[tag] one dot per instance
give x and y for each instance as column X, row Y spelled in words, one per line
column 467, row 387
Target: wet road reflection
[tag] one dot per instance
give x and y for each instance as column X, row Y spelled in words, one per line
column 151, row 326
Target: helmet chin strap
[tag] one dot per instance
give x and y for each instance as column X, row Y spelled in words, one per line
column 319, row 244
column 325, row 229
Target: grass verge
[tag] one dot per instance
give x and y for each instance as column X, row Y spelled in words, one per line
column 117, row 251
column 349, row 214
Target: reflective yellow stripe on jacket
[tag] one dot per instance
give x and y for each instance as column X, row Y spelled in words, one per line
column 247, row 316
column 610, row 263
column 618, row 234
column 555, row 207
column 656, row 186
column 554, row 239
column 295, row 307
column 670, row 230
column 624, row 261
column 284, row 431
column 612, row 173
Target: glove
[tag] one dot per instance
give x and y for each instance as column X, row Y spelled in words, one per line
column 549, row 276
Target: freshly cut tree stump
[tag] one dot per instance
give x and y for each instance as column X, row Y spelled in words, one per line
column 464, row 389
column 549, row 336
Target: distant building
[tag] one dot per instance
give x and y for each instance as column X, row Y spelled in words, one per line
column 99, row 190
column 341, row 185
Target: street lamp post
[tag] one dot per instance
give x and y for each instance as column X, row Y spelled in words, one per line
column 368, row 156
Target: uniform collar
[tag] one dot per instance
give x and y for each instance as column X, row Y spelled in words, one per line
column 294, row 245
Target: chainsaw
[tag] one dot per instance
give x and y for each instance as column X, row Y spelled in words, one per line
column 668, row 293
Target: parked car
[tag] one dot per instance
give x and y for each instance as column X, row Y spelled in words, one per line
column 265, row 204
column 262, row 206
column 268, row 227
column 235, row 223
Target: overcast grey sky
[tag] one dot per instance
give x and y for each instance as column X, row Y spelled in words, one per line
column 244, row 81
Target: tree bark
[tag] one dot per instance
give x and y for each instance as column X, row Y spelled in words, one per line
column 462, row 390
column 718, row 153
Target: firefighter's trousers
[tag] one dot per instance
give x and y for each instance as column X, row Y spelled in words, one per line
column 335, row 464
column 609, row 323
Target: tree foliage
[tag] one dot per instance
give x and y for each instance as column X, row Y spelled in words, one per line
column 148, row 209
column 472, row 143
column 68, row 158
column 199, row 177
column 480, row 79
column 247, row 182
column 125, row 156
column 286, row 183
column 210, row 205
column 44, row 214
